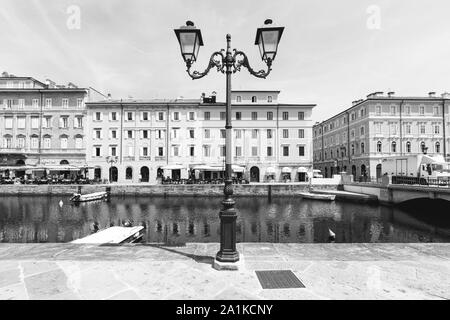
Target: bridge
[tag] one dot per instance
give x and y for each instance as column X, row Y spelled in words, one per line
column 398, row 193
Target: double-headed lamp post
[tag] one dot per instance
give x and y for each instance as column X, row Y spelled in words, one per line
column 228, row 62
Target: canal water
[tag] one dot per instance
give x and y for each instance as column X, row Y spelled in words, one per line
column 175, row 221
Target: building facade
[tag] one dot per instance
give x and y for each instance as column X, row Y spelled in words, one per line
column 357, row 139
column 132, row 141
column 41, row 124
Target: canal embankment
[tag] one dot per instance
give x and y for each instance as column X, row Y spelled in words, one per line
column 252, row 189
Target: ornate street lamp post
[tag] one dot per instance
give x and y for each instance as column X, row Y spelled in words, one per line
column 228, row 62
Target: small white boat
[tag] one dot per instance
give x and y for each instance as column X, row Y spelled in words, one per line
column 77, row 197
column 317, row 196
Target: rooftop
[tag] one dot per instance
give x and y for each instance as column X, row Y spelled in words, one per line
column 389, row 97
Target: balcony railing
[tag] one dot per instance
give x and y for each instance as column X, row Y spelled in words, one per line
column 128, row 158
column 160, row 158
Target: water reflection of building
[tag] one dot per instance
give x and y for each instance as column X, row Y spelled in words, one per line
column 178, row 221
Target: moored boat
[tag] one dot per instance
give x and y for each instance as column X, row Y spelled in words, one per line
column 318, row 196
column 77, row 197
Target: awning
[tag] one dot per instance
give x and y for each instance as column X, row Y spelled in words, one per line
column 236, row 168
column 173, row 167
column 208, row 168
column 270, row 170
column 286, row 170
column 64, row 167
column 302, row 169
column 17, row 168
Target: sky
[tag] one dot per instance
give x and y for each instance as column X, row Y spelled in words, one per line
column 331, row 52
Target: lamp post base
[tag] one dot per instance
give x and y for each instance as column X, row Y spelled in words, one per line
column 227, row 266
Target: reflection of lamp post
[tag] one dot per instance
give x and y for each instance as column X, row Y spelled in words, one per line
column 228, row 62
column 342, row 149
column 111, row 160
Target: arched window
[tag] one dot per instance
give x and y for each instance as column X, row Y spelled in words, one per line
column 64, row 162
column 423, row 147
column 129, row 173
column 63, row 141
column 78, row 142
column 437, row 147
column 254, row 99
column 393, row 146
column 34, row 142
column 20, row 141
column 353, row 149
column 47, row 141
column 379, row 146
column 362, row 147
column 408, row 147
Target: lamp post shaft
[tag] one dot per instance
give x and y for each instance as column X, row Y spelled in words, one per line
column 228, row 214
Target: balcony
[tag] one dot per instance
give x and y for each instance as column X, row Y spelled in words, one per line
column 145, row 158
column 271, row 159
column 128, row 158
column 160, row 158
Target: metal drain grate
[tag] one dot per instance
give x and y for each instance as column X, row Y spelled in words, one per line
column 278, row 279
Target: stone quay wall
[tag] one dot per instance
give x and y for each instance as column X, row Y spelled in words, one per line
column 257, row 189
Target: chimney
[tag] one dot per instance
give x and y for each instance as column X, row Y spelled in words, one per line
column 50, row 83
column 375, row 94
column 5, row 74
column 432, row 94
column 213, row 97
column 391, row 94
column 109, row 96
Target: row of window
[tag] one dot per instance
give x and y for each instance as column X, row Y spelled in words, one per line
column 145, row 116
column 342, row 152
column 35, row 103
column 20, row 142
column 254, row 99
column 406, row 110
column 423, row 147
column 46, row 122
column 175, row 133
column 392, row 130
column 175, row 151
column 378, row 111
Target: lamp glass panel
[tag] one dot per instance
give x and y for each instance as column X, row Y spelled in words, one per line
column 261, row 47
column 187, row 43
column 197, row 47
column 270, row 40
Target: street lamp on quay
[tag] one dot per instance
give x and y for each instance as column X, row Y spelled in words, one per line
column 228, row 62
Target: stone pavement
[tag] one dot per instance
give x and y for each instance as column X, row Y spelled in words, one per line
column 146, row 271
